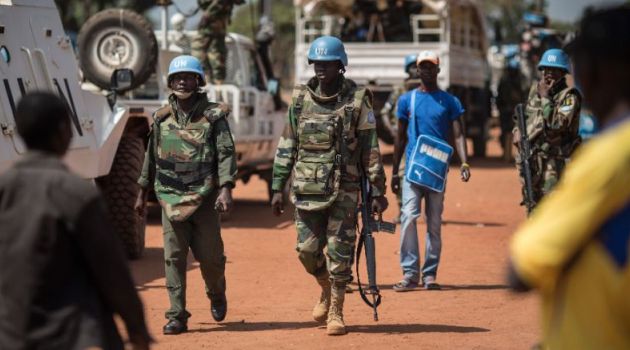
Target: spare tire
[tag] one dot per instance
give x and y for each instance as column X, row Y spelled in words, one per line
column 117, row 38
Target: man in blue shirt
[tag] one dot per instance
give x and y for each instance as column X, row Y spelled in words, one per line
column 434, row 112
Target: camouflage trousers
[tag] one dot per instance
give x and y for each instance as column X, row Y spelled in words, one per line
column 201, row 233
column 546, row 171
column 333, row 228
column 209, row 46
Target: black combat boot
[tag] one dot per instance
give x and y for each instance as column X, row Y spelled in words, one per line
column 218, row 307
column 174, row 327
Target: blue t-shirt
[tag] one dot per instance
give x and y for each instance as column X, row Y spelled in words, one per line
column 434, row 114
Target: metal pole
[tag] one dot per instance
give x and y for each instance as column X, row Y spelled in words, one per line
column 164, row 26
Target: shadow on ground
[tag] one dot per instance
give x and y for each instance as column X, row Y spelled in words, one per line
column 375, row 328
column 447, row 287
column 414, row 328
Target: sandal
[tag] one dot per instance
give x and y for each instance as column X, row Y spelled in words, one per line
column 405, row 286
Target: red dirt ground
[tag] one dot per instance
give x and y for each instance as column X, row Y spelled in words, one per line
column 271, row 297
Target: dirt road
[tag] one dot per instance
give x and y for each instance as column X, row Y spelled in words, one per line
column 271, row 297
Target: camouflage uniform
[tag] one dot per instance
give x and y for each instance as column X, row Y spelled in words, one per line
column 342, row 128
column 189, row 157
column 552, row 129
column 209, row 43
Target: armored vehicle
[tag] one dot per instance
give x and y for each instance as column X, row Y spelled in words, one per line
column 108, row 143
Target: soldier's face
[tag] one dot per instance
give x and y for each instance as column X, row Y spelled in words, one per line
column 326, row 72
column 184, row 82
column 552, row 75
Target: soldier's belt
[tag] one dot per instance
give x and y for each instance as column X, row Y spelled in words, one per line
column 178, row 184
column 180, row 167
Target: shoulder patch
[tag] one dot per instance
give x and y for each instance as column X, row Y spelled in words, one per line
column 370, row 117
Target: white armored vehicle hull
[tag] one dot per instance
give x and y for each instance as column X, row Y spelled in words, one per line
column 37, row 55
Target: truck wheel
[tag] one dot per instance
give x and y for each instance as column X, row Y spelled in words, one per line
column 120, row 189
column 117, row 38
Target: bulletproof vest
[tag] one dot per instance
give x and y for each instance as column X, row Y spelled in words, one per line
column 326, row 141
column 185, row 159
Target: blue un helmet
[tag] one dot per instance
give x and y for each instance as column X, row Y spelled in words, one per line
column 554, row 58
column 410, row 60
column 186, row 63
column 327, row 48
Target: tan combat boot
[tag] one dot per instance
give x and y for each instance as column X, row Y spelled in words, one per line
column 335, row 324
column 320, row 311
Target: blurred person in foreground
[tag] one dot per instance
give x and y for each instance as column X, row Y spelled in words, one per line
column 63, row 272
column 574, row 249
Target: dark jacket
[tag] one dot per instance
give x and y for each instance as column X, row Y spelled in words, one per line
column 63, row 272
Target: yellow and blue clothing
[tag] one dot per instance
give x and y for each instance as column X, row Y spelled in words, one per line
column 434, row 112
column 574, row 249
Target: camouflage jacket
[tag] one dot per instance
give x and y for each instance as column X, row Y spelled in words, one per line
column 357, row 143
column 553, row 123
column 218, row 8
column 188, row 156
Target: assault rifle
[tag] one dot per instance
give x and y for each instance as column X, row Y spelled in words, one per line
column 368, row 227
column 524, row 150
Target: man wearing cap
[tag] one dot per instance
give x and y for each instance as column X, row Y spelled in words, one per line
column 329, row 145
column 430, row 111
column 190, row 163
column 552, row 117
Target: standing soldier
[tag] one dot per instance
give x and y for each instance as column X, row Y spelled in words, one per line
column 552, row 116
column 328, row 145
column 190, row 163
column 209, row 43
column 389, row 109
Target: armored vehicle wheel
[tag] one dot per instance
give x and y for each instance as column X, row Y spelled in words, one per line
column 120, row 190
column 117, row 38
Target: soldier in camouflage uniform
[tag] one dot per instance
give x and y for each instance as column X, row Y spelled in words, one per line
column 191, row 165
column 328, row 144
column 389, row 109
column 552, row 118
column 209, row 43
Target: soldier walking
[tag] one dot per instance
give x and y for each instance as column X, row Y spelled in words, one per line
column 329, row 143
column 190, row 163
column 208, row 45
column 552, row 117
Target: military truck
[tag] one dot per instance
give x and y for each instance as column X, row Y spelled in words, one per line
column 117, row 38
column 108, row 137
column 378, row 35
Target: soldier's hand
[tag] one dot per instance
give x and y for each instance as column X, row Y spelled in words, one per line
column 395, row 183
column 379, row 205
column 516, row 139
column 223, row 203
column 141, row 202
column 543, row 88
column 277, row 203
column 465, row 171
